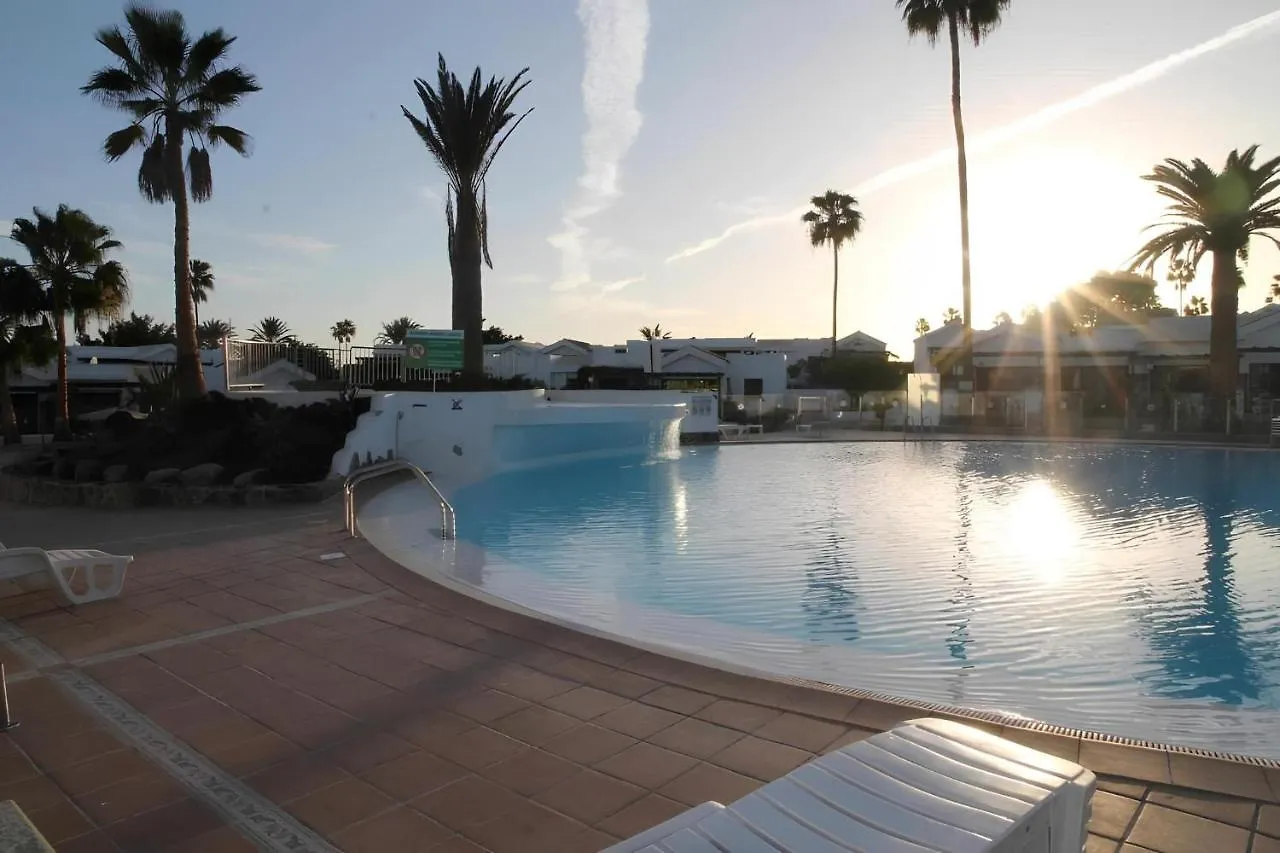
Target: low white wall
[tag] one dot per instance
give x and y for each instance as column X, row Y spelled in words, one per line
column 701, row 417
column 290, row 397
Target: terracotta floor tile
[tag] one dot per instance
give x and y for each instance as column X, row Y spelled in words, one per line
column 1269, row 820
column 531, row 771
column 252, row 755
column 338, row 806
column 528, row 683
column 1131, row 762
column 130, row 797
column 624, row 683
column 50, row 751
column 1168, row 831
column 162, row 828
column 458, row 844
column 295, row 777
column 1112, row 815
column 221, row 840
column 880, row 716
column 1239, row 780
column 802, row 732
column 401, row 830
column 1213, row 806
column 590, row 796
column 1124, row 787
column 485, row 706
column 89, row 842
column 678, row 699
column 468, row 802
column 588, row 744
column 586, row 703
column 224, row 733
column 192, row 659
column 1062, row 747
column 647, row 765
column 16, row 767
column 709, row 782
column 368, row 750
column 849, row 738
column 645, row 813
column 696, row 737
column 1265, row 844
column 195, row 714
column 587, row 841
column 1098, row 844
column 60, row 822
column 413, row 775
column 638, row 720
column 432, row 727
column 479, row 748
column 742, row 716
column 36, row 792
column 761, row 759
column 526, row 828
column 535, row 725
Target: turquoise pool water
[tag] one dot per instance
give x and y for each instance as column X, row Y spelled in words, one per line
column 1107, row 587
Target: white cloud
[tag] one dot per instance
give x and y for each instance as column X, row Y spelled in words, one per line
column 616, row 34
column 6, row 225
column 525, row 278
column 1027, row 124
column 615, row 286
column 292, row 242
column 430, row 194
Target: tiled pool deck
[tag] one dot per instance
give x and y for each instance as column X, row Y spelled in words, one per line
column 259, row 692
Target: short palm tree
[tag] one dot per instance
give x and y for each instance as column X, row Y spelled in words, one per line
column 201, row 285
column 1180, row 275
column 343, row 331
column 68, row 252
column 26, row 336
column 922, row 327
column 272, row 330
column 464, row 128
column 952, row 316
column 1197, row 307
column 174, row 89
column 1216, row 213
column 834, row 219
column 211, row 332
column 396, row 331
column 656, row 333
column 976, row 19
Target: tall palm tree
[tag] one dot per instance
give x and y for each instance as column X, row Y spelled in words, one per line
column 26, row 337
column 174, row 89
column 977, row 19
column 272, row 330
column 201, row 285
column 68, row 254
column 343, row 331
column 657, row 333
column 396, row 331
column 834, row 219
column 464, row 128
column 1180, row 275
column 211, row 332
column 1216, row 213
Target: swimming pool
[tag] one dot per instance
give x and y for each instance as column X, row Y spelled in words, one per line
column 1123, row 589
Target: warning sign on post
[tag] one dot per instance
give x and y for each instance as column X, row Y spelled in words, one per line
column 433, row 349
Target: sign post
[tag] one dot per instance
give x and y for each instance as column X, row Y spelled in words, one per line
column 436, row 350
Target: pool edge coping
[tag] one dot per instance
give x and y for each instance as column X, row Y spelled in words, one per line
column 990, row 718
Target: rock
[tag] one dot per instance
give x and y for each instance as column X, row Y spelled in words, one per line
column 162, row 475
column 88, row 471
column 116, row 474
column 202, row 475
column 250, row 478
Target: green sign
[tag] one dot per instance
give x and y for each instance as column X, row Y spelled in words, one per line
column 433, row 349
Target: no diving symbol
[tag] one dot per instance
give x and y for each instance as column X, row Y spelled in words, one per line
column 417, row 351
column 457, row 404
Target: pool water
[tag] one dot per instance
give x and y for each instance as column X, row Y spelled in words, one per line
column 1115, row 588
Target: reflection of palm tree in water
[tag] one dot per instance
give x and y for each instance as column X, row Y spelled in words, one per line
column 828, row 599
column 962, row 599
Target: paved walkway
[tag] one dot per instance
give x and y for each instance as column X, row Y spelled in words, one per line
column 291, row 689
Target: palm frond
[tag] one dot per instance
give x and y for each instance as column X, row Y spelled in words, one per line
column 237, row 140
column 223, row 89
column 200, row 174
column 204, row 54
column 160, row 38
column 112, row 86
column 119, row 143
column 153, row 177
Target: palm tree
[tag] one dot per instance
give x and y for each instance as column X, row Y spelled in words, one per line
column 1216, row 213
column 1003, row 319
column 464, row 129
column 1180, row 275
column 951, row 316
column 26, row 337
column 343, row 331
column 174, row 89
column 1196, row 308
column 834, row 219
column 1274, row 295
column 922, row 327
column 272, row 330
column 396, row 331
column 211, row 332
column 977, row 19
column 657, row 333
column 201, row 286
column 68, row 254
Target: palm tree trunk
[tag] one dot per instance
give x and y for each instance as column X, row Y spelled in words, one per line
column 962, row 164
column 468, row 305
column 62, row 423
column 1224, row 365
column 8, row 417
column 188, row 372
column 835, row 293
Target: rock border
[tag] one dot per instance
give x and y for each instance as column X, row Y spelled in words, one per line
column 44, row 491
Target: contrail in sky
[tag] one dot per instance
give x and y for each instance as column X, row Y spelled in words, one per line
column 616, row 33
column 1021, row 127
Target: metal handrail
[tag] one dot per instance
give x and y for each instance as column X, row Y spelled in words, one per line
column 448, row 518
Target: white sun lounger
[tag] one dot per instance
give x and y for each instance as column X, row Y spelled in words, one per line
column 928, row 786
column 83, row 576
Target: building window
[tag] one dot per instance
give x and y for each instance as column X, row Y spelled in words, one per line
column 752, row 387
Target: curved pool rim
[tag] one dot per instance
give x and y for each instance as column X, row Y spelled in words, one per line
column 438, row 572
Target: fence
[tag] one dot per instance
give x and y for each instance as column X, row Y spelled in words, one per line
column 263, row 365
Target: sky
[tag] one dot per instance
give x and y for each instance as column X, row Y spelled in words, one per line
column 671, row 150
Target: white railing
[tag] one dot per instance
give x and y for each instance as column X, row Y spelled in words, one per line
column 448, row 518
column 261, row 365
